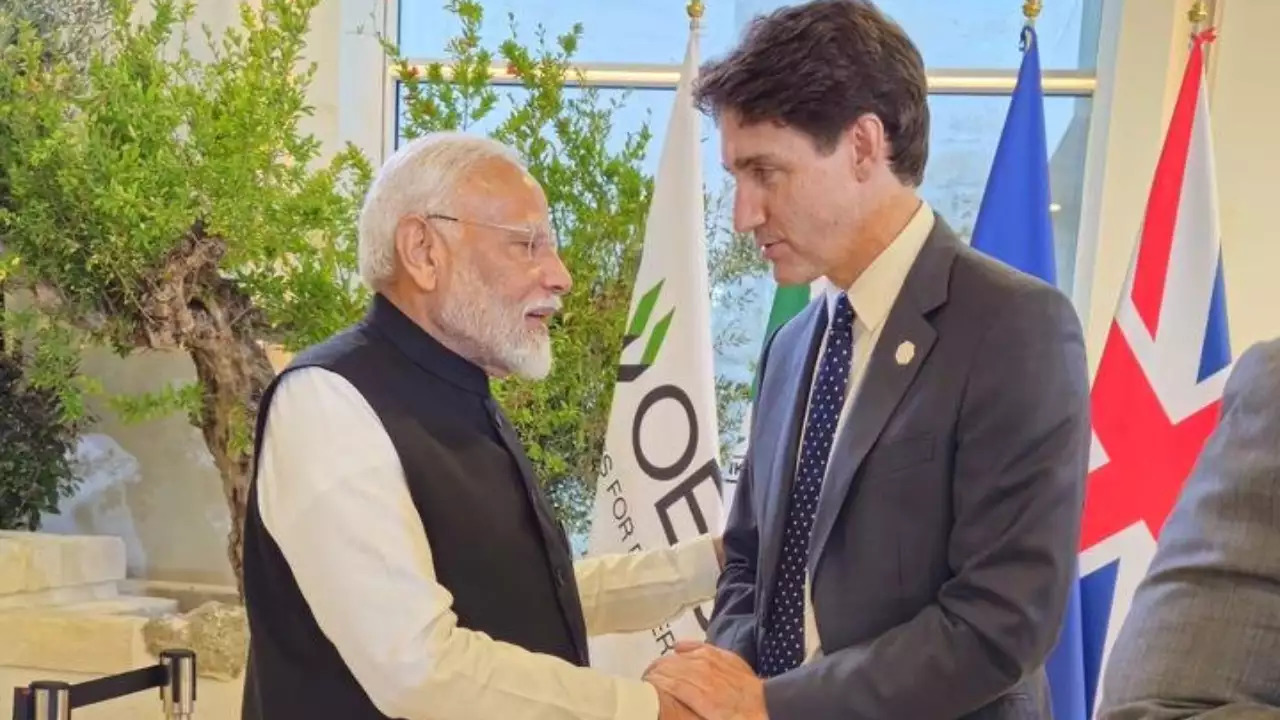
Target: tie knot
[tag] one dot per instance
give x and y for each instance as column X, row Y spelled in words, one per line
column 842, row 318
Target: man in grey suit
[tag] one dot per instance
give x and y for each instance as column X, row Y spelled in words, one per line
column 1202, row 637
column 902, row 542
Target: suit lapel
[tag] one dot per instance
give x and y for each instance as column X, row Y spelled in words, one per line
column 792, row 361
column 882, row 388
column 905, row 342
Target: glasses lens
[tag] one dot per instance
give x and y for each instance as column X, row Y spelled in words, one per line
column 542, row 241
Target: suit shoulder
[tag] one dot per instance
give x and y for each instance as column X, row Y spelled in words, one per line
column 1260, row 361
column 792, row 330
column 1256, row 374
column 992, row 289
column 334, row 350
column 981, row 272
column 351, row 354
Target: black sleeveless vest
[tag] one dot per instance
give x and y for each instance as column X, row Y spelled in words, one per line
column 496, row 544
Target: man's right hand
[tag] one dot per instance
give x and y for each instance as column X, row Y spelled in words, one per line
column 670, row 708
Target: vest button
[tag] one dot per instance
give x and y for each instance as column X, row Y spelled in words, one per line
column 559, row 577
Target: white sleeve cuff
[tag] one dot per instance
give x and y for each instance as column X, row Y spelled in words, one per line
column 637, row 700
column 697, row 561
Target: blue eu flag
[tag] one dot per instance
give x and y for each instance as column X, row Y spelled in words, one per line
column 1014, row 226
column 1013, row 222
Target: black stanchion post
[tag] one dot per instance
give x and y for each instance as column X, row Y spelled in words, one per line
column 21, row 703
column 179, row 692
column 175, row 675
column 50, row 700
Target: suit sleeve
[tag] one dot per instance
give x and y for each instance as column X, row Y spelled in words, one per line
column 1200, row 637
column 1020, row 461
column 733, row 619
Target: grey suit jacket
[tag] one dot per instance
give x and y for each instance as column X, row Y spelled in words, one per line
column 945, row 540
column 1202, row 637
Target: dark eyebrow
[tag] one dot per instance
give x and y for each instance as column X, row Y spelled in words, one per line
column 750, row 161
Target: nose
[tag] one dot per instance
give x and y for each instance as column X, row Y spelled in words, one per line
column 555, row 276
column 748, row 209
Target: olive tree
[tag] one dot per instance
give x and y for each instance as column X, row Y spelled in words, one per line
column 155, row 201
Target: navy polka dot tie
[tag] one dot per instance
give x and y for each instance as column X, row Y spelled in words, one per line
column 783, row 647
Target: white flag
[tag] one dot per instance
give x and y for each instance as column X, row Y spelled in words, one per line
column 660, row 477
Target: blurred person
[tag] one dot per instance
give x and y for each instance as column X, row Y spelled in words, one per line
column 903, row 539
column 400, row 558
column 1202, row 635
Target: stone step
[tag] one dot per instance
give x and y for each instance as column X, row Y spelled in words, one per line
column 188, row 594
column 54, row 597
column 35, row 562
column 93, row 636
column 72, row 641
column 141, row 606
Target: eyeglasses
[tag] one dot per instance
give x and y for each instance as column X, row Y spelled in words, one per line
column 537, row 241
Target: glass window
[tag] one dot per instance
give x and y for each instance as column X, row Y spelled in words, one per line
column 635, row 107
column 986, row 33
column 964, row 133
column 951, row 34
column 635, row 33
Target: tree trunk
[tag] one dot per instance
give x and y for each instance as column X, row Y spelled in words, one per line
column 233, row 373
column 193, row 306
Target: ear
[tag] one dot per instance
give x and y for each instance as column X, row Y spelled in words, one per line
column 869, row 145
column 420, row 250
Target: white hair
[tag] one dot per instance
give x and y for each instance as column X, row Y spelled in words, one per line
column 421, row 177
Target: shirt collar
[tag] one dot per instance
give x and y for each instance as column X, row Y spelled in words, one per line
column 425, row 351
column 873, row 294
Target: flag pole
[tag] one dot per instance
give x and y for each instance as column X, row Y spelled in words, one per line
column 1031, row 10
column 1201, row 34
column 695, row 8
column 1198, row 13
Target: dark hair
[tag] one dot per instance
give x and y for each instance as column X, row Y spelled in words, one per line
column 818, row 67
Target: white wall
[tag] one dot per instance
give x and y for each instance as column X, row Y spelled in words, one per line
column 1244, row 64
column 1139, row 77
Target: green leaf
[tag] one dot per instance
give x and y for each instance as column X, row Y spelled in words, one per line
column 655, row 341
column 644, row 309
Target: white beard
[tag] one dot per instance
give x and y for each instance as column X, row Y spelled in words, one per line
column 471, row 312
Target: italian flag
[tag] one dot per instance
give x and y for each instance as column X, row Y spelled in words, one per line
column 788, row 301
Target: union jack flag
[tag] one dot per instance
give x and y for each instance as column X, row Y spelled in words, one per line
column 1156, row 396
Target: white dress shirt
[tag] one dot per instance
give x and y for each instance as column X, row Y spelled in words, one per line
column 333, row 496
column 872, row 296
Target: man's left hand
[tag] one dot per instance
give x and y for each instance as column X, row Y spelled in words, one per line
column 714, row 683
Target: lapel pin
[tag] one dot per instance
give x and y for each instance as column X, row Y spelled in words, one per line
column 906, row 351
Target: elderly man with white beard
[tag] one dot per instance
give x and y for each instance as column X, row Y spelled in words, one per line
column 400, row 560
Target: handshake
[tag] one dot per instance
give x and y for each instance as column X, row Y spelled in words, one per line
column 704, row 681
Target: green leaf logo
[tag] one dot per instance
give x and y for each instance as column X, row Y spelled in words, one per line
column 640, row 323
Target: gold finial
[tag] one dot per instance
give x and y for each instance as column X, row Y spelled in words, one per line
column 1031, row 9
column 1198, row 13
column 695, row 8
